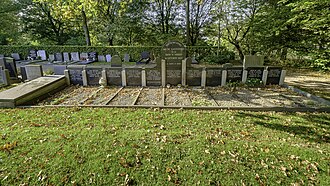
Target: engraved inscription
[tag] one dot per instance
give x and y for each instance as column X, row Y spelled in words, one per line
column 255, row 73
column 234, row 73
column 274, row 73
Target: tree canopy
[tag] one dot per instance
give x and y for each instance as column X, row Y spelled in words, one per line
column 274, row 28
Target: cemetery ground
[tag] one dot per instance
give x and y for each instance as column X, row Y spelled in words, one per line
column 112, row 146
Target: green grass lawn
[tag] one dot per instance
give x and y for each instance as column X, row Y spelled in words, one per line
column 106, row 146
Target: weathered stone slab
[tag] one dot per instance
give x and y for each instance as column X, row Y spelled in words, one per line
column 253, row 61
column 51, row 57
column 116, row 61
column 59, row 69
column 75, row 74
column 16, row 56
column 153, row 76
column 33, row 71
column 83, row 56
column 58, row 57
column 213, row 76
column 234, row 74
column 194, row 76
column 274, row 75
column 114, row 76
column 126, row 58
column 101, row 58
column 32, row 91
column 94, row 75
column 133, row 76
column 23, row 73
column 4, row 77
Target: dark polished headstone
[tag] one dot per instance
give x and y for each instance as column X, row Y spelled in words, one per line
column 213, row 76
column 154, row 77
column 10, row 64
column 114, row 76
column 274, row 75
column 173, row 53
column 234, row 74
column 23, row 73
column 255, row 72
column 75, row 73
column 94, row 75
column 194, row 76
column 133, row 76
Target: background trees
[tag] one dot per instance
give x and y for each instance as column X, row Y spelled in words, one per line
column 274, row 28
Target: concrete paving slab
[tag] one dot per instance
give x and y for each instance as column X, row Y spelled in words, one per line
column 33, row 91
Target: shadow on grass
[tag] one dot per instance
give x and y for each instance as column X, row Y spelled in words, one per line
column 312, row 127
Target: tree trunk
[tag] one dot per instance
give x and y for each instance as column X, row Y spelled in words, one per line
column 188, row 22
column 85, row 27
column 240, row 51
column 284, row 53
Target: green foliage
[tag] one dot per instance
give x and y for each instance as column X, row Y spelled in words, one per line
column 254, row 82
column 222, row 58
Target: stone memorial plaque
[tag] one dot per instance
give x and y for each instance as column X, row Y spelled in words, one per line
column 108, row 58
column 83, row 56
column 126, row 58
column 51, row 57
column 75, row 73
column 234, row 74
column 23, row 73
column 133, row 76
column 213, row 76
column 75, row 56
column 16, row 56
column 42, row 54
column 66, row 56
column 59, row 69
column 173, row 53
column 33, row 71
column 173, row 76
column 58, row 57
column 255, row 72
column 194, row 76
column 274, row 75
column 253, row 61
column 116, row 61
column 153, row 77
column 94, row 75
column 101, row 58
column 114, row 76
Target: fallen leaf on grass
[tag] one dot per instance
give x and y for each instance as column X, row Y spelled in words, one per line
column 8, row 146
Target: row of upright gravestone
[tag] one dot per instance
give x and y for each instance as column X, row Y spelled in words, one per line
column 173, row 68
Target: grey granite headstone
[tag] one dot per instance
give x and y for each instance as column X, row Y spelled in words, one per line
column 126, row 58
column 75, row 56
column 234, row 74
column 114, row 76
column 173, row 53
column 33, row 71
column 133, row 76
column 58, row 57
column 1, row 55
column 213, row 76
column 116, row 61
column 101, row 58
column 94, row 75
column 16, row 56
column 75, row 74
column 42, row 54
column 4, row 78
column 108, row 58
column 83, row 56
column 51, row 57
column 66, row 56
column 59, row 69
